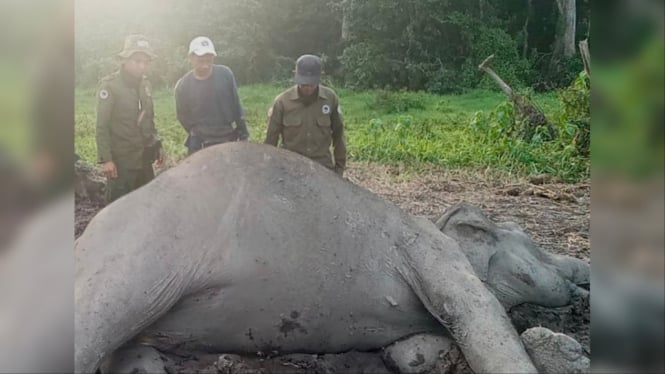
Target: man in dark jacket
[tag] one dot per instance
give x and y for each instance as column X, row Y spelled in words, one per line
column 127, row 141
column 207, row 101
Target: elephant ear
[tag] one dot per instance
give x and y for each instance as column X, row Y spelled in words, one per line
column 477, row 236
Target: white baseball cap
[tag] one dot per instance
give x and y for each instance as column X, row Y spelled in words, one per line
column 202, row 45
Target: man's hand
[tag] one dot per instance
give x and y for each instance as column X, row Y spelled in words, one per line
column 160, row 159
column 109, row 169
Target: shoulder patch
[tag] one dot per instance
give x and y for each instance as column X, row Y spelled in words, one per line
column 339, row 108
column 103, row 94
column 270, row 112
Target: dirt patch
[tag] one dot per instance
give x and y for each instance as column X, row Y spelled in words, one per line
column 350, row 362
column 554, row 214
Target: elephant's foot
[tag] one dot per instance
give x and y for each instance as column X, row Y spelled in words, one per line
column 555, row 353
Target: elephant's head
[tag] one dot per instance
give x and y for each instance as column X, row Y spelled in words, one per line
column 510, row 263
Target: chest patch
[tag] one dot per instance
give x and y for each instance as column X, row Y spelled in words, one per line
column 103, row 94
column 325, row 109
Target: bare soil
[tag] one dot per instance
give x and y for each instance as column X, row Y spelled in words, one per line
column 555, row 214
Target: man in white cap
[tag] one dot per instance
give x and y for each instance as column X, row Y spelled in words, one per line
column 207, row 101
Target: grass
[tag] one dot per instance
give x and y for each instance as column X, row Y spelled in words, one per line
column 410, row 128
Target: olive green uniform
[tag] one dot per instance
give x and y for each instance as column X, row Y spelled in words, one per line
column 309, row 126
column 126, row 131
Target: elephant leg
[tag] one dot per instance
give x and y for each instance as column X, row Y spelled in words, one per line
column 444, row 280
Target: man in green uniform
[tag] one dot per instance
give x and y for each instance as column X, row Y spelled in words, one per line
column 308, row 118
column 127, row 141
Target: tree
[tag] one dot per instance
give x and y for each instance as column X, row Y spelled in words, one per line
column 565, row 36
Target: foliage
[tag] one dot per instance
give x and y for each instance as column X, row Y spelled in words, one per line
column 576, row 113
column 437, row 131
column 259, row 40
column 386, row 58
column 436, row 45
column 430, row 45
column 566, row 155
column 484, row 41
column 559, row 73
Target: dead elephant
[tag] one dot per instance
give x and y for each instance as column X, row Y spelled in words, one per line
column 245, row 247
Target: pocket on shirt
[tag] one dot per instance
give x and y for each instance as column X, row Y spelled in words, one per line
column 292, row 120
column 323, row 120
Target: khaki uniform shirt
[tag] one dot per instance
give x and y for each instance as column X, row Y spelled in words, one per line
column 309, row 126
column 125, row 120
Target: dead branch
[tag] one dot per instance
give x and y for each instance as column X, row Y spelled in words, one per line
column 484, row 66
column 532, row 115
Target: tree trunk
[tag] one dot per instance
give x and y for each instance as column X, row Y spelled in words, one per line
column 346, row 10
column 566, row 27
column 586, row 56
column 525, row 29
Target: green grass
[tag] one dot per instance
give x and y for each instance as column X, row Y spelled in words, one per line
column 388, row 127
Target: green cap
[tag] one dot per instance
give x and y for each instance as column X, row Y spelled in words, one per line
column 136, row 43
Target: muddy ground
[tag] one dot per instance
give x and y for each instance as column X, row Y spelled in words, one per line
column 555, row 214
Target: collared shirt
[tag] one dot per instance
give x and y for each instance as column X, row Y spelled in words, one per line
column 309, row 126
column 125, row 120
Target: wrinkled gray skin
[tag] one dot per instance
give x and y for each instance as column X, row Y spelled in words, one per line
column 552, row 353
column 245, row 248
column 509, row 262
column 555, row 353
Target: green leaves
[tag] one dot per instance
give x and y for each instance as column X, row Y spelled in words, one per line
column 566, row 156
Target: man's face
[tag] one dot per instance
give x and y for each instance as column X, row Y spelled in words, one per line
column 137, row 64
column 307, row 89
column 202, row 64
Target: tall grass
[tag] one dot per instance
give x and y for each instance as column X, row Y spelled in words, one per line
column 387, row 127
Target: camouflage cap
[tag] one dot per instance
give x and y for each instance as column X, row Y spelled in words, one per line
column 136, row 43
column 308, row 70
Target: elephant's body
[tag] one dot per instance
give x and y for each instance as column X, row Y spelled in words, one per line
column 246, row 248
